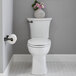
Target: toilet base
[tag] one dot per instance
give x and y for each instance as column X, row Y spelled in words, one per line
column 39, row 65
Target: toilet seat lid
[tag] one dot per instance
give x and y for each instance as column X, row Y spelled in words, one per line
column 39, row 41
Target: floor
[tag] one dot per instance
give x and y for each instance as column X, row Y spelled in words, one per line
column 54, row 69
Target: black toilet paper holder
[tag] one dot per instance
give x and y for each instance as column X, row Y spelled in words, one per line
column 7, row 38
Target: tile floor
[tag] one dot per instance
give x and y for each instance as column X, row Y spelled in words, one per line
column 54, row 69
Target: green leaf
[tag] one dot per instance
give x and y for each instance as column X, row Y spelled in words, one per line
column 33, row 5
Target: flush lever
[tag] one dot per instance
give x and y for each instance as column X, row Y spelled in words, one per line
column 29, row 21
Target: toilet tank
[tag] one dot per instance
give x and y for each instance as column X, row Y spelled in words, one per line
column 39, row 27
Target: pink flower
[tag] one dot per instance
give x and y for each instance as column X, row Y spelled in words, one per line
column 38, row 5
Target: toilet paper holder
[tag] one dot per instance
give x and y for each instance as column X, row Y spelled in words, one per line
column 7, row 38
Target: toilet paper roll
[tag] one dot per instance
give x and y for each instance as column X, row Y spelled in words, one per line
column 14, row 37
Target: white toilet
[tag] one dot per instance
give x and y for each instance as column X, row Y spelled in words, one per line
column 39, row 44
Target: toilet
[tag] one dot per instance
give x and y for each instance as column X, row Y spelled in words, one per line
column 39, row 44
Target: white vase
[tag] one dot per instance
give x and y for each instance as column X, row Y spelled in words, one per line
column 39, row 13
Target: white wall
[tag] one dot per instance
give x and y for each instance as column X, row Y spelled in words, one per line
column 7, row 23
column 1, row 50
column 62, row 30
column 6, row 27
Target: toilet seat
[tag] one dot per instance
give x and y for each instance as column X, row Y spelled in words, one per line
column 39, row 42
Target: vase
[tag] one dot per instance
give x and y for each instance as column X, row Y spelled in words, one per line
column 39, row 13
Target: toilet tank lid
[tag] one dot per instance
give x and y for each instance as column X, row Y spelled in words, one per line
column 39, row 41
column 39, row 19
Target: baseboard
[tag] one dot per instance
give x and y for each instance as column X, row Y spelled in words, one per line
column 7, row 70
column 49, row 58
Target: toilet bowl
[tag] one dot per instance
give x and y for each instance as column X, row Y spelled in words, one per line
column 39, row 47
column 39, row 44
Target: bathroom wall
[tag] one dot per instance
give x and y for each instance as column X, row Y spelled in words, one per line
column 62, row 30
column 6, row 27
column 1, row 56
column 7, row 23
